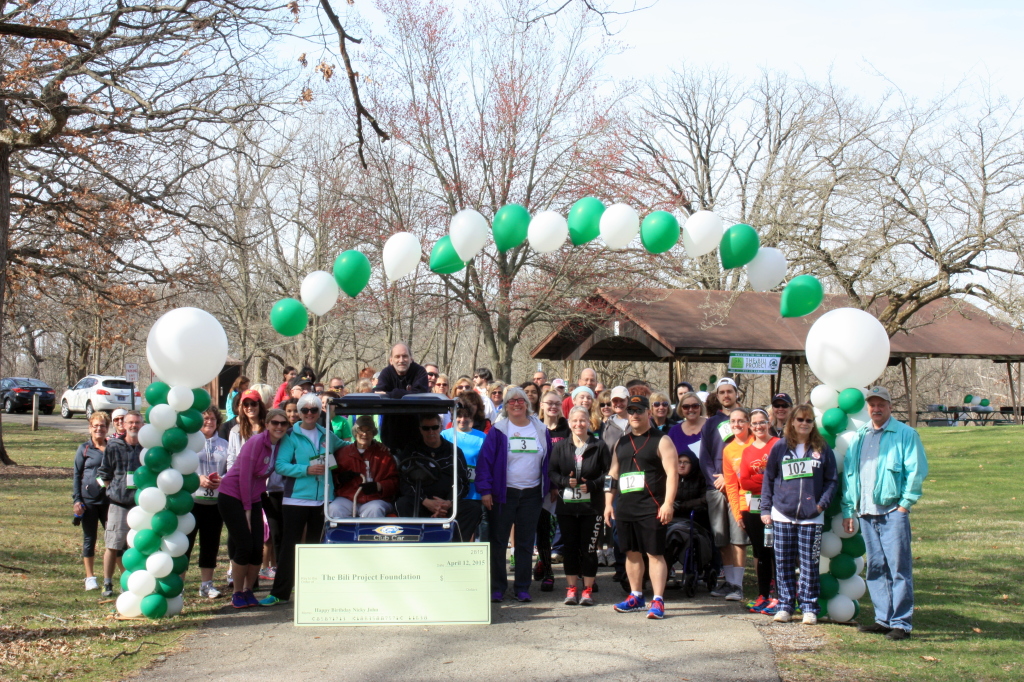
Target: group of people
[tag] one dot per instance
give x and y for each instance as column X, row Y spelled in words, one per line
column 586, row 465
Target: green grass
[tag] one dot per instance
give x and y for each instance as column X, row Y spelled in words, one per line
column 968, row 578
column 50, row 628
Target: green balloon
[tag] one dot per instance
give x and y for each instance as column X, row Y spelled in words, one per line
column 145, row 417
column 842, row 566
column 830, row 438
column 190, row 482
column 154, row 606
column 851, row 400
column 180, row 564
column 157, row 459
column 352, row 272
column 984, row 402
column 288, row 317
column 133, row 559
column 834, row 420
column 968, row 398
column 200, row 399
column 856, row 609
column 156, row 393
column 136, row 496
column 164, row 522
column 854, row 546
column 712, row 379
column 443, row 258
column 802, row 296
column 659, row 232
column 145, row 477
column 510, row 226
column 703, row 387
column 739, row 245
column 190, row 421
column 147, row 541
column 174, row 440
column 124, row 579
column 179, row 503
column 585, row 220
column 822, row 608
column 829, row 587
column 169, row 586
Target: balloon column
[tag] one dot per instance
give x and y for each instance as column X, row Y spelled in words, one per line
column 186, row 348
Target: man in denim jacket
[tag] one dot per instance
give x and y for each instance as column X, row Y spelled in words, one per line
column 884, row 468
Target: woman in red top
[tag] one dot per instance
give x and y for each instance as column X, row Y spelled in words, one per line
column 751, row 473
column 366, row 466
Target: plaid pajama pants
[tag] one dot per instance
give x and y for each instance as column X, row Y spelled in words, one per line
column 797, row 544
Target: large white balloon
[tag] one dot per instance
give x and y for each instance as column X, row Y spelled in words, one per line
column 547, row 232
column 185, row 462
column 837, row 528
column 187, row 347
column 319, row 292
column 824, row 397
column 186, row 523
column 619, row 224
column 159, row 564
column 401, row 255
column 831, row 545
column 175, row 544
column 847, row 347
column 841, row 608
column 180, row 398
column 853, row 587
column 169, row 481
column 130, row 537
column 162, row 417
column 139, row 519
column 860, row 419
column 843, row 442
column 141, row 583
column 152, row 500
column 818, row 414
column 174, row 605
column 824, row 563
column 767, row 270
column 858, row 564
column 196, row 443
column 150, row 436
column 129, row 604
column 468, row 231
column 702, row 233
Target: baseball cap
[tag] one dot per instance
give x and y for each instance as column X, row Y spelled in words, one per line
column 558, row 383
column 118, row 413
column 638, row 401
column 725, row 381
column 620, row 392
column 299, row 381
column 784, row 397
column 879, row 392
column 251, row 394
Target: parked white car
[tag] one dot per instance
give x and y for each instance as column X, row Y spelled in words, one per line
column 97, row 392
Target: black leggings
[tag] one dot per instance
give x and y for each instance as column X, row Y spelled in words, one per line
column 544, row 541
column 245, row 539
column 209, row 525
column 93, row 515
column 579, row 538
column 765, row 555
column 272, row 508
column 295, row 520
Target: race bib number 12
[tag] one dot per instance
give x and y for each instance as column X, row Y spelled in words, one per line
column 632, row 482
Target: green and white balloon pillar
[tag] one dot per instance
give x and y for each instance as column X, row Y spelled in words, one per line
column 186, row 348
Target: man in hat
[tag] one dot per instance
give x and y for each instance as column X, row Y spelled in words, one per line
column 884, row 468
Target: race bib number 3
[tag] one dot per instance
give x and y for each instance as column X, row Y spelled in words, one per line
column 523, row 445
column 796, row 468
column 753, row 502
column 632, row 482
column 577, row 494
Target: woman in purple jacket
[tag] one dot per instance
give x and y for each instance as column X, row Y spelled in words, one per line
column 512, row 479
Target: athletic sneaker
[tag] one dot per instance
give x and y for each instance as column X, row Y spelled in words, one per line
column 722, row 590
column 523, row 596
column 271, row 600
column 250, row 598
column 783, row 617
column 91, row 584
column 771, row 608
column 548, row 584
column 108, row 590
column 239, row 601
column 736, row 594
column 757, row 605
column 632, row 603
column 657, row 610
column 497, row 596
column 809, row 618
column 570, row 596
column 587, row 599
column 208, row 590
column 268, row 573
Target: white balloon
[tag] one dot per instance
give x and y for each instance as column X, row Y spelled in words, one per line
column 547, row 232
column 174, row 605
column 319, row 292
column 180, row 398
column 824, row 397
column 767, row 270
column 184, row 462
column 860, row 419
column 186, row 523
column 159, row 564
column 976, row 400
column 831, row 545
column 139, row 519
column 818, row 414
column 847, row 347
column 858, row 563
column 152, row 500
column 468, row 231
column 837, row 528
column 187, row 347
column 841, row 608
column 150, row 436
column 853, row 587
column 401, row 255
column 619, row 224
column 130, row 537
column 196, row 443
column 141, row 583
column 169, row 481
column 129, row 604
column 702, row 233
column 175, row 544
column 162, row 417
column 703, row 395
column 824, row 563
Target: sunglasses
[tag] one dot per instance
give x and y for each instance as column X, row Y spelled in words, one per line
column 249, row 403
column 309, row 410
column 635, row 410
column 604, row 404
column 338, row 388
column 515, row 401
column 780, row 406
column 690, row 407
column 435, row 427
column 431, row 374
column 441, row 384
column 803, row 420
column 277, row 422
column 661, row 404
column 495, row 392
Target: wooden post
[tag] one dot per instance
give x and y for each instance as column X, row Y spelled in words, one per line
column 1013, row 393
column 1021, row 417
column 796, row 383
column 913, row 393
column 906, row 383
column 672, row 379
column 35, row 411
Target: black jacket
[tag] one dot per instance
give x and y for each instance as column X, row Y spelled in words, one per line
column 84, row 487
column 597, row 460
column 398, row 432
column 442, row 487
column 118, row 459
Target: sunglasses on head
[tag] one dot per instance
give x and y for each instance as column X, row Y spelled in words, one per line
column 309, row 410
column 803, row 420
column 661, row 404
column 277, row 422
column 435, row 427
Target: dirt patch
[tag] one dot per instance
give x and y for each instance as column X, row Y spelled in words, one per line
column 53, row 473
column 790, row 642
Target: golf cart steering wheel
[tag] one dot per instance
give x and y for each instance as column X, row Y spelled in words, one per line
column 418, row 469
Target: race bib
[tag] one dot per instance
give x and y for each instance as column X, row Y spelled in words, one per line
column 577, row 494
column 472, row 474
column 523, row 445
column 753, row 502
column 205, row 494
column 796, row 468
column 725, row 431
column 129, row 480
column 632, row 482
column 332, row 463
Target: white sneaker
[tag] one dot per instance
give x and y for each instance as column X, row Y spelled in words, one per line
column 783, row 617
column 810, row 619
column 208, row 590
column 91, row 584
column 735, row 594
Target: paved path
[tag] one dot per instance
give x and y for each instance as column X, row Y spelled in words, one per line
column 54, row 421
column 702, row 639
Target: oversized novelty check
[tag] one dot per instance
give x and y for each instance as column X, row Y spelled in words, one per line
column 392, row 584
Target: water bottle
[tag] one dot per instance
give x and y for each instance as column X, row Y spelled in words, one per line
column 769, row 537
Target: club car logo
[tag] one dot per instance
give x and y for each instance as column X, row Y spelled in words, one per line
column 388, row 530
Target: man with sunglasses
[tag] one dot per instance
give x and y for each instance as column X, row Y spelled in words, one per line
column 433, row 372
column 401, row 377
column 781, row 405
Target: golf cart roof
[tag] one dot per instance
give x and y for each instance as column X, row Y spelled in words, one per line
column 372, row 403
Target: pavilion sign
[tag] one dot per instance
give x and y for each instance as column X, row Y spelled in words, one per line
column 754, row 363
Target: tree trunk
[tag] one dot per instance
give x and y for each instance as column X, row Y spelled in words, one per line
column 5, row 229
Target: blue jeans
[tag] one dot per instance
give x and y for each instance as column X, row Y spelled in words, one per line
column 889, row 577
column 521, row 508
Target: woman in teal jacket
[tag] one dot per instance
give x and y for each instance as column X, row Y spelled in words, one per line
column 304, row 464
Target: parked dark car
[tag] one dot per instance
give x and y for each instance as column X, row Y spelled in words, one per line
column 16, row 394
